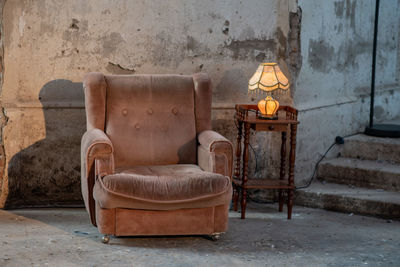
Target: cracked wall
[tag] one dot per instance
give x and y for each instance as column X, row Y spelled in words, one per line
column 324, row 47
column 3, row 118
column 50, row 45
column 333, row 86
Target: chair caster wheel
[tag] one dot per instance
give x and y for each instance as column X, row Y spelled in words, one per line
column 105, row 239
column 216, row 236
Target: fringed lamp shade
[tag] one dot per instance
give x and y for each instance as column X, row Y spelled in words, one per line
column 268, row 77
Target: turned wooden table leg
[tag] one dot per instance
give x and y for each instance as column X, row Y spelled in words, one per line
column 283, row 169
column 237, row 163
column 245, row 165
column 292, row 158
column 235, row 197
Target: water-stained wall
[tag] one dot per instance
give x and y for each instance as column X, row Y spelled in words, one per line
column 333, row 87
column 324, row 47
column 50, row 45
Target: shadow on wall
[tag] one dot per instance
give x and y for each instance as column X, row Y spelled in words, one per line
column 47, row 173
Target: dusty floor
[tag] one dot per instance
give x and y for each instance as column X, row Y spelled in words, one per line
column 64, row 237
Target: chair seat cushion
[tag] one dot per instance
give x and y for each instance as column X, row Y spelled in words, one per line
column 162, row 187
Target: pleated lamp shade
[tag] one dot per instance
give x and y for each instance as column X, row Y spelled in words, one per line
column 268, row 77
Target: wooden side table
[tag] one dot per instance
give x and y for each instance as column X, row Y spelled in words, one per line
column 247, row 115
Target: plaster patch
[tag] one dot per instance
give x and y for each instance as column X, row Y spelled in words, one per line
column 111, row 42
column 320, row 55
column 115, row 68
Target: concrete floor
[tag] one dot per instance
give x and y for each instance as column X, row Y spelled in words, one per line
column 64, row 237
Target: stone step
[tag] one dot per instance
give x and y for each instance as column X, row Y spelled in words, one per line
column 360, row 173
column 350, row 200
column 362, row 146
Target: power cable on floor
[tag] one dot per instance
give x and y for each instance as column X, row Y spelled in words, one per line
column 339, row 140
column 316, row 167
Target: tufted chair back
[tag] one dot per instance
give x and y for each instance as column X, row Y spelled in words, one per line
column 150, row 119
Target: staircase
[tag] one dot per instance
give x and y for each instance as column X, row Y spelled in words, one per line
column 364, row 179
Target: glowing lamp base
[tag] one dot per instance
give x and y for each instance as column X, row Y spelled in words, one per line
column 267, row 117
column 268, row 108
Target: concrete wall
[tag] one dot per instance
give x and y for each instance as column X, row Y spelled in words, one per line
column 50, row 45
column 324, row 46
column 333, row 87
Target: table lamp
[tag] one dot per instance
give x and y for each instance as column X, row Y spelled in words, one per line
column 267, row 79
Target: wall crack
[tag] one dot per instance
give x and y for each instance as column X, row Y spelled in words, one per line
column 3, row 117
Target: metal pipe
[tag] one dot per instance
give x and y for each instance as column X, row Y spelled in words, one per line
column 371, row 111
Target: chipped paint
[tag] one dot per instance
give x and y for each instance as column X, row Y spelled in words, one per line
column 326, row 54
column 333, row 85
column 116, row 68
column 48, row 52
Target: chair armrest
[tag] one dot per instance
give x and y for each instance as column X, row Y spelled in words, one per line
column 215, row 153
column 96, row 159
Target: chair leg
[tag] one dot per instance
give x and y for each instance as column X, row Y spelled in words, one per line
column 105, row 239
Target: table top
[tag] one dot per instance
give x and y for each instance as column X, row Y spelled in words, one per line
column 249, row 114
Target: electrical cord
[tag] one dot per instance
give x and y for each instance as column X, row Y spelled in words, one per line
column 339, row 140
column 316, row 167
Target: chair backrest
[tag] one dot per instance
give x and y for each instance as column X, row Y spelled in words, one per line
column 150, row 119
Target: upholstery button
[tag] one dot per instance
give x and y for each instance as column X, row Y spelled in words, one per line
column 174, row 111
column 150, row 111
column 137, row 126
column 124, row 112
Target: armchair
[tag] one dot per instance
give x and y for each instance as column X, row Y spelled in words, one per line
column 151, row 165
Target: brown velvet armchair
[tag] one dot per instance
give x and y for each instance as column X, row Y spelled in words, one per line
column 151, row 165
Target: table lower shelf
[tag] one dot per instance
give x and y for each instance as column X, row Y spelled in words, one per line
column 263, row 183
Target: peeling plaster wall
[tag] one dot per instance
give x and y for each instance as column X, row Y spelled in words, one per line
column 323, row 46
column 333, row 87
column 50, row 45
